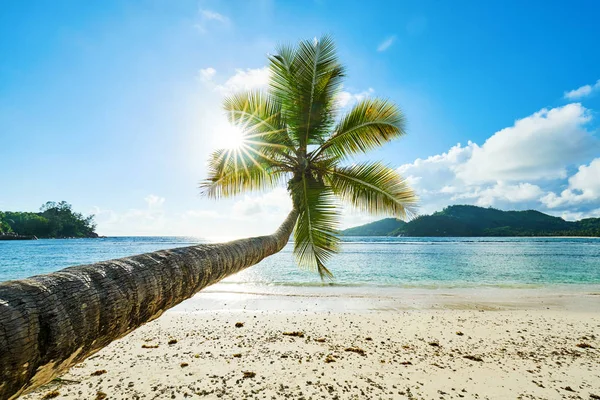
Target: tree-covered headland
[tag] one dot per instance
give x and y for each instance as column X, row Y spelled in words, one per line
column 465, row 220
column 54, row 220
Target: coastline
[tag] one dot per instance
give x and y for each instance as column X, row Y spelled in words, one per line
column 364, row 299
column 417, row 343
column 18, row 237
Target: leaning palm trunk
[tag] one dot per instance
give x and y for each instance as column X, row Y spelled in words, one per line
column 50, row 322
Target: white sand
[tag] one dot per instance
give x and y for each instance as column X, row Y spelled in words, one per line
column 528, row 350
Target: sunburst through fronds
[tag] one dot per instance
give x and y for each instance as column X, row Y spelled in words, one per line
column 293, row 133
column 232, row 137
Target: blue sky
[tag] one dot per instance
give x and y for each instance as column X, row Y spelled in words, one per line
column 114, row 105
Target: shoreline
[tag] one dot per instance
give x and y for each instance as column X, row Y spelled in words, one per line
column 204, row 239
column 10, row 237
column 417, row 346
column 232, row 296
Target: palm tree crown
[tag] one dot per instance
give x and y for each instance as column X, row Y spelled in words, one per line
column 293, row 133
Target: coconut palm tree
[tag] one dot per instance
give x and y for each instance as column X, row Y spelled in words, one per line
column 292, row 135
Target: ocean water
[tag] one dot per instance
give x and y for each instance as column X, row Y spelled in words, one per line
column 363, row 262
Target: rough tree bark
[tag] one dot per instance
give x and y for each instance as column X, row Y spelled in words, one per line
column 51, row 322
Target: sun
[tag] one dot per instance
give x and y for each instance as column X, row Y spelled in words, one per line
column 232, row 137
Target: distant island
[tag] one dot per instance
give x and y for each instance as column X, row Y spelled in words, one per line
column 55, row 220
column 463, row 220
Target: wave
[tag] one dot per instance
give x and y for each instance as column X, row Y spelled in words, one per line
column 395, row 292
column 424, row 285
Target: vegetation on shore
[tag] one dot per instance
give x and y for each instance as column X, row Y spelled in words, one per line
column 463, row 220
column 383, row 227
column 55, row 220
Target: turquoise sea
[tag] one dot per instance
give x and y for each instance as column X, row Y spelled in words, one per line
column 363, row 261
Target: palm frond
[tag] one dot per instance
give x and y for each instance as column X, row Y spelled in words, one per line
column 370, row 124
column 306, row 80
column 233, row 171
column 259, row 117
column 373, row 188
column 282, row 80
column 315, row 236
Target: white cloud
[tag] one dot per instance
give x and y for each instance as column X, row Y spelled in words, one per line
column 346, row 99
column 206, row 74
column 587, row 179
column 582, row 91
column 154, row 201
column 242, row 79
column 577, row 215
column 439, row 171
column 435, row 178
column 505, row 193
column 275, row 202
column 258, row 78
column 202, row 214
column 537, row 147
column 252, row 215
column 584, row 187
column 383, row 46
column 246, row 79
column 516, row 167
column 150, row 220
column 208, row 16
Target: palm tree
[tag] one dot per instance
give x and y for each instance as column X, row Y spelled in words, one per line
column 51, row 322
column 291, row 134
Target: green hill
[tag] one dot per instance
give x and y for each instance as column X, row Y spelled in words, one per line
column 383, row 227
column 465, row 220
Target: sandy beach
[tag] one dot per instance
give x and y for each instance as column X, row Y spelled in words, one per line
column 403, row 344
